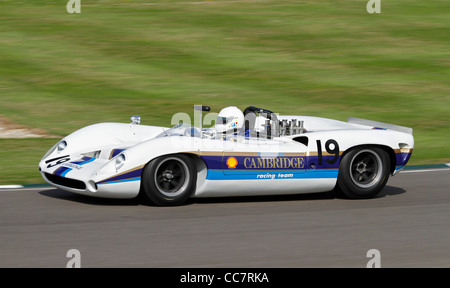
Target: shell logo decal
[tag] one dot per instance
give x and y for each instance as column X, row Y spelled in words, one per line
column 232, row 162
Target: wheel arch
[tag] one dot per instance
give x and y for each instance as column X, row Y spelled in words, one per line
column 386, row 148
column 199, row 164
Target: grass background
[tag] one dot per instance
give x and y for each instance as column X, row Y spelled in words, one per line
column 118, row 58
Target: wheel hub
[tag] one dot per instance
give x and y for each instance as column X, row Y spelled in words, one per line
column 361, row 167
column 365, row 168
column 168, row 175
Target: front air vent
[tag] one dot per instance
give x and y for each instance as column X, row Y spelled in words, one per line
column 66, row 182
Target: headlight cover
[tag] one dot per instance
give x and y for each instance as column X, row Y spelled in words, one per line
column 62, row 145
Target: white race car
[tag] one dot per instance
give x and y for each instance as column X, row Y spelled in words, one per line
column 256, row 152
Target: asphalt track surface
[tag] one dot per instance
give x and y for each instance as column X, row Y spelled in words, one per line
column 408, row 224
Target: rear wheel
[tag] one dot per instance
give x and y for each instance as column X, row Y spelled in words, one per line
column 363, row 172
column 169, row 180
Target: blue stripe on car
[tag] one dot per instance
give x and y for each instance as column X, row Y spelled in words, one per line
column 62, row 171
column 270, row 174
column 132, row 175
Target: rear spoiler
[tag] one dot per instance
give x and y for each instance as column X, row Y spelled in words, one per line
column 376, row 124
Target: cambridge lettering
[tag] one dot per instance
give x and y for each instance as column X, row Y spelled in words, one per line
column 274, row 163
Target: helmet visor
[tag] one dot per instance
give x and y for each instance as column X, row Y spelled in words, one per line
column 224, row 120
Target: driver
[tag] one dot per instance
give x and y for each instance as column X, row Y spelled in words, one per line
column 230, row 120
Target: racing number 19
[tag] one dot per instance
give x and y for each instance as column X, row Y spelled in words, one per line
column 332, row 147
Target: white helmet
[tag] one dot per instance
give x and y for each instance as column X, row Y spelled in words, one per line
column 229, row 118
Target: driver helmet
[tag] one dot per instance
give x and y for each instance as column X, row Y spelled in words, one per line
column 229, row 118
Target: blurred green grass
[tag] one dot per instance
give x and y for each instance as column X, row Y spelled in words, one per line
column 118, row 58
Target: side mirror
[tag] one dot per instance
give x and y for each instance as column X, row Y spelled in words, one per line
column 136, row 119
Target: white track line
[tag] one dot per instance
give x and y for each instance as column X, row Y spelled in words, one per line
column 26, row 188
column 11, row 186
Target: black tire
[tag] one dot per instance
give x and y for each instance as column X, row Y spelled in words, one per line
column 363, row 172
column 169, row 180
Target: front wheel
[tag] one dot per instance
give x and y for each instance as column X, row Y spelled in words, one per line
column 363, row 172
column 169, row 180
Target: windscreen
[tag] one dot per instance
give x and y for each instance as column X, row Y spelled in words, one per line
column 181, row 129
